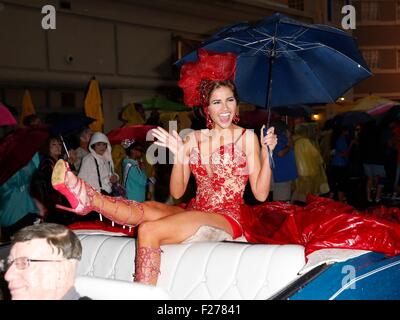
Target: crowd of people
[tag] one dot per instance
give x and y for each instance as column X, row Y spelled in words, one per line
column 355, row 164
column 333, row 160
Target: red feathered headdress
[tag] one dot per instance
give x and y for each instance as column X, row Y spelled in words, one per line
column 195, row 76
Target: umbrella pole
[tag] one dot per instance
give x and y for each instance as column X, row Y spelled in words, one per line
column 271, row 63
column 65, row 147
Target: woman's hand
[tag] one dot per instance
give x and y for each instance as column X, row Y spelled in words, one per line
column 164, row 139
column 270, row 139
column 72, row 156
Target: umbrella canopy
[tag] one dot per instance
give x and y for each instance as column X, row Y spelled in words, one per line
column 299, row 110
column 65, row 124
column 159, row 103
column 352, row 118
column 27, row 107
column 136, row 132
column 92, row 105
column 369, row 102
column 18, row 148
column 382, row 109
column 6, row 118
column 393, row 114
column 281, row 61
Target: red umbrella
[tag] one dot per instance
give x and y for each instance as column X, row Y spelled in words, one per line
column 255, row 119
column 18, row 148
column 6, row 118
column 137, row 132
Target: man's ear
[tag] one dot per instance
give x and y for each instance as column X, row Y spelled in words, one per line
column 63, row 271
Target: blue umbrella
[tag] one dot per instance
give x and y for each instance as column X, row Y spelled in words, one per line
column 281, row 61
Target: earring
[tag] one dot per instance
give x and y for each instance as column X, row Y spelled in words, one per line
column 210, row 123
column 236, row 119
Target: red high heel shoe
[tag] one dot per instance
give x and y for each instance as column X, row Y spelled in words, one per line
column 83, row 198
column 68, row 186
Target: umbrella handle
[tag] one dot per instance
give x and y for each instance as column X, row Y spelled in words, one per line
column 271, row 159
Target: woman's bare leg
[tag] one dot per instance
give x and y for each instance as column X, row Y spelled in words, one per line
column 170, row 229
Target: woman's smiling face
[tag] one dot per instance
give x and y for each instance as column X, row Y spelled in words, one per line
column 222, row 107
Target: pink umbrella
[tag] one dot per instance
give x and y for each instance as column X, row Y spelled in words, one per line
column 378, row 110
column 6, row 118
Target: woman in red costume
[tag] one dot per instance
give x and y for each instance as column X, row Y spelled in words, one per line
column 222, row 158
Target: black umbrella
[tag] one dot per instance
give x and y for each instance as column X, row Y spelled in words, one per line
column 66, row 124
column 299, row 110
column 353, row 118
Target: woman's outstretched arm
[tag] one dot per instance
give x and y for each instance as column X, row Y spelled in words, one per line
column 180, row 171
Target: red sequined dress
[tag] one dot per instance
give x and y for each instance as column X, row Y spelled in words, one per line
column 322, row 223
column 220, row 180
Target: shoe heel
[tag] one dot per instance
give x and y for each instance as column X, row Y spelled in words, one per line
column 58, row 181
column 78, row 212
column 59, row 206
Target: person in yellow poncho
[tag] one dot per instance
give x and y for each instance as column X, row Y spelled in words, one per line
column 182, row 120
column 310, row 166
column 130, row 115
column 118, row 154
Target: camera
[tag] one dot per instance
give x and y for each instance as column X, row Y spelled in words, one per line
column 69, row 59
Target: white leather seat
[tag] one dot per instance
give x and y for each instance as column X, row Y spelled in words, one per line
column 202, row 270
column 108, row 289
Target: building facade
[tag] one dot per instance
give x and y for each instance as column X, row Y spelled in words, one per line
column 129, row 45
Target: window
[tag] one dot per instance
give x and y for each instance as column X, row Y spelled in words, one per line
column 382, row 59
column 296, row 4
column 369, row 11
column 334, row 8
column 185, row 45
column 371, row 58
column 398, row 10
column 398, row 60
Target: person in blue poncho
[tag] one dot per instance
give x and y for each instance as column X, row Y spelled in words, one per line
column 17, row 207
column 135, row 178
column 285, row 170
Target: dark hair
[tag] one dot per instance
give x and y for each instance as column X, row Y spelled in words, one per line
column 280, row 127
column 45, row 149
column 57, row 236
column 84, row 131
column 134, row 146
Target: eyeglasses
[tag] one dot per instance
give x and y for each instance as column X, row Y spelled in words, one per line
column 23, row 263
